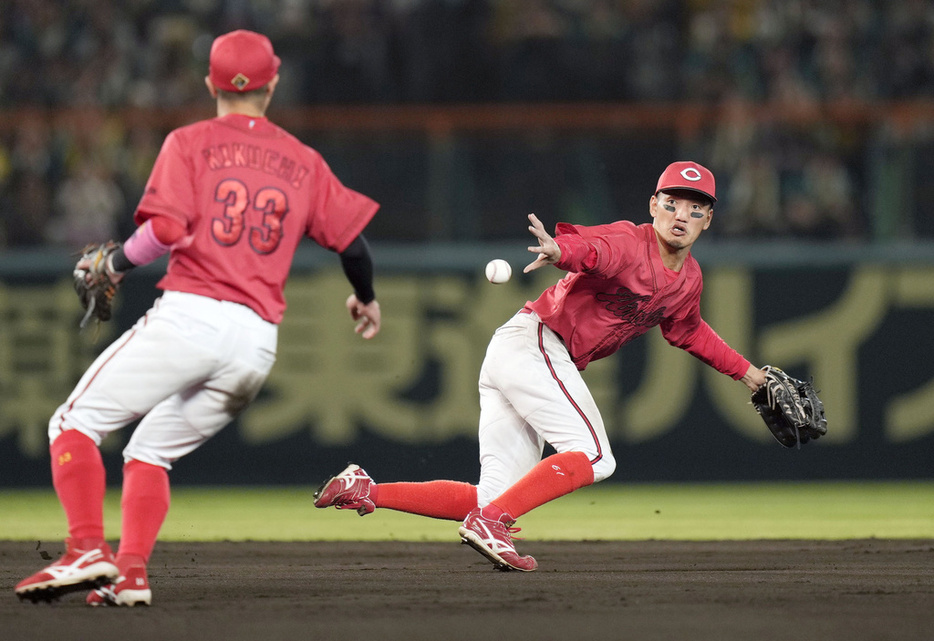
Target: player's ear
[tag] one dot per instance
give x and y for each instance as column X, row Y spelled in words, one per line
column 653, row 203
column 211, row 88
column 709, row 218
column 269, row 90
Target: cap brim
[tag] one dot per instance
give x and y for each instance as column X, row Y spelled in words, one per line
column 686, row 188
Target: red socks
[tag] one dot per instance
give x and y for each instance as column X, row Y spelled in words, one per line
column 555, row 476
column 450, row 500
column 144, row 504
column 80, row 481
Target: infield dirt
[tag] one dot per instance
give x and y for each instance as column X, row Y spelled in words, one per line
column 648, row 590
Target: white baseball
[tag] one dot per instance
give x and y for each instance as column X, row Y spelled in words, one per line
column 498, row 271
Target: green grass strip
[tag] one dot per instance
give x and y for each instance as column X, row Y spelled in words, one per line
column 609, row 511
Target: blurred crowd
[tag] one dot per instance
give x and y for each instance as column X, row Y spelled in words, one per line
column 78, row 183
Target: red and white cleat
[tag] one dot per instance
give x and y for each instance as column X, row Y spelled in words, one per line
column 493, row 539
column 87, row 563
column 349, row 490
column 131, row 588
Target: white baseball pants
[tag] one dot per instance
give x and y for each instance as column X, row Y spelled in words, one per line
column 187, row 367
column 532, row 393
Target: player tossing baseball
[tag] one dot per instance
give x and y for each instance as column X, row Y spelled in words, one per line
column 622, row 280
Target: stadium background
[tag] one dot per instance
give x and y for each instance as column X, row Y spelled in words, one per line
column 461, row 117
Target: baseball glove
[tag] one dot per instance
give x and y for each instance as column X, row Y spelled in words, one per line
column 790, row 408
column 96, row 282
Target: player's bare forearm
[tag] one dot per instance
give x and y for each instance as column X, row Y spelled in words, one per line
column 754, row 378
column 368, row 316
column 548, row 251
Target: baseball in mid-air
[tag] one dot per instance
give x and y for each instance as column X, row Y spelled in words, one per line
column 498, row 271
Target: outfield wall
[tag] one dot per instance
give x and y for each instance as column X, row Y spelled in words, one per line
column 856, row 318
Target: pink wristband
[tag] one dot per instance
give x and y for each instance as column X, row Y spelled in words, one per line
column 143, row 247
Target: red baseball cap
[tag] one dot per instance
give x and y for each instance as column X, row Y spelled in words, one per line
column 242, row 61
column 690, row 176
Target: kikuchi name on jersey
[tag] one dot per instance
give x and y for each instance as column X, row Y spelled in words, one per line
column 255, row 157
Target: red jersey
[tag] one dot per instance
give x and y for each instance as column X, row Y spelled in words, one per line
column 618, row 288
column 247, row 192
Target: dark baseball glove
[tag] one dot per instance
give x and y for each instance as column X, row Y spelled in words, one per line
column 96, row 282
column 790, row 408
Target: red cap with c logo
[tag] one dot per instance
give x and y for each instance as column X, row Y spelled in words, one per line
column 690, row 176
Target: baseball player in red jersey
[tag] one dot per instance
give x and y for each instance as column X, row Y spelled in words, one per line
column 229, row 199
column 623, row 279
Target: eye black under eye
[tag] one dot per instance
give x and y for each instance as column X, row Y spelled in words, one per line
column 697, row 214
column 669, row 208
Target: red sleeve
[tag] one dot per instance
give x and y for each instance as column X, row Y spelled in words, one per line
column 169, row 190
column 602, row 250
column 339, row 214
column 167, row 230
column 577, row 255
column 697, row 338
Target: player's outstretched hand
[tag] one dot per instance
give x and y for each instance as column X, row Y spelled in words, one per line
column 367, row 316
column 754, row 378
column 548, row 251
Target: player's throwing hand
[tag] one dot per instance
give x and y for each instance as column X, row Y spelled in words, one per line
column 548, row 251
column 368, row 316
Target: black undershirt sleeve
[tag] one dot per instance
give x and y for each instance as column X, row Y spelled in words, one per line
column 358, row 268
column 120, row 262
